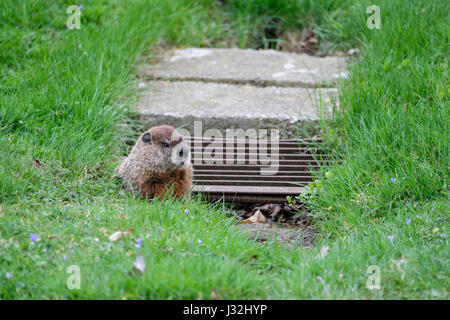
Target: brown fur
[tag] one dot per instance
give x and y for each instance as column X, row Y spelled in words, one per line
column 153, row 168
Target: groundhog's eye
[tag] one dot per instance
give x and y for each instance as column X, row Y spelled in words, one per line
column 165, row 144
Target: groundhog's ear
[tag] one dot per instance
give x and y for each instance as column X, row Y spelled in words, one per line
column 147, row 138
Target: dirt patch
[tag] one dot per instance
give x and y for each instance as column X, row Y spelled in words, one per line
column 292, row 236
column 277, row 222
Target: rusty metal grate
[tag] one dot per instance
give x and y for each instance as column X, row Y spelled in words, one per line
column 237, row 177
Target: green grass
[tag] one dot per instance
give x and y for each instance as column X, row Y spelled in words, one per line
column 66, row 98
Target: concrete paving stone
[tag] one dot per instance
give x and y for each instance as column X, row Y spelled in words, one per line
column 238, row 66
column 224, row 106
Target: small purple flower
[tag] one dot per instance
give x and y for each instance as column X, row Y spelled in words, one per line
column 138, row 243
column 8, row 275
column 34, row 237
column 394, row 180
column 391, row 238
column 186, row 211
column 81, row 7
column 199, row 241
column 408, row 221
column 64, row 257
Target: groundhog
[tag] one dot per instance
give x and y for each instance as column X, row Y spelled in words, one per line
column 159, row 163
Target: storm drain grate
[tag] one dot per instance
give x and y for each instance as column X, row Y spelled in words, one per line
column 255, row 171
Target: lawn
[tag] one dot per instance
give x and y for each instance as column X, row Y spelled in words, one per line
column 66, row 112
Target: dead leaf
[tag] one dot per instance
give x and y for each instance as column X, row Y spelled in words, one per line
column 139, row 265
column 291, row 42
column 285, row 214
column 37, row 163
column 258, row 217
column 308, row 42
column 276, row 211
column 323, row 252
column 214, row 295
column 353, row 52
column 119, row 234
column 252, row 258
column 375, row 177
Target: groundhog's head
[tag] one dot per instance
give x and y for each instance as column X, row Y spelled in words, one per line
column 164, row 148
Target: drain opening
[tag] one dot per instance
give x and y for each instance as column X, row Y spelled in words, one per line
column 232, row 170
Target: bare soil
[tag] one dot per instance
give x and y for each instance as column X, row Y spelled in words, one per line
column 283, row 224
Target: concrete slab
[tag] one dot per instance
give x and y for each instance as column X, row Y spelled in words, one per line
column 258, row 67
column 225, row 106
